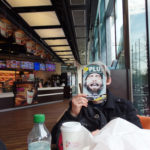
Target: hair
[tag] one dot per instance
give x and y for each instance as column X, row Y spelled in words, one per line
column 106, row 69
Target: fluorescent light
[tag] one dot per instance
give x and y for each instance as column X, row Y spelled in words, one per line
column 67, row 56
column 68, row 61
column 61, row 48
column 25, row 3
column 64, row 53
column 45, row 33
column 40, row 18
column 72, row 59
column 57, row 42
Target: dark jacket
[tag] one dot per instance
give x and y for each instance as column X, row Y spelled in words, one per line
column 96, row 116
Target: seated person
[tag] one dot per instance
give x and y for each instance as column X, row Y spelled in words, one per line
column 94, row 114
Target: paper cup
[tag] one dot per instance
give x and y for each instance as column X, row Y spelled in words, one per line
column 29, row 97
column 72, row 135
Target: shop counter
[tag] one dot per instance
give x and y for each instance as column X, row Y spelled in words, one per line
column 48, row 94
column 6, row 100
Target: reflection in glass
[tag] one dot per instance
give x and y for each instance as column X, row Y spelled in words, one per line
column 102, row 32
column 119, row 26
column 138, row 55
column 119, row 34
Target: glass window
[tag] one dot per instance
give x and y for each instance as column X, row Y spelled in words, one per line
column 96, row 39
column 102, row 32
column 149, row 21
column 119, row 34
column 138, row 55
column 113, row 52
column 119, row 26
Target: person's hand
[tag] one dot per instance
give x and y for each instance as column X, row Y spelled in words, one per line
column 77, row 103
column 95, row 132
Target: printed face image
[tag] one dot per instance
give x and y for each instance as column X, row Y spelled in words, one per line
column 94, row 82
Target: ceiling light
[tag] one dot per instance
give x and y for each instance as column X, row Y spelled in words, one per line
column 57, row 42
column 44, row 18
column 64, row 53
column 72, row 59
column 68, row 61
column 61, row 48
column 67, row 56
column 25, row 3
column 45, row 33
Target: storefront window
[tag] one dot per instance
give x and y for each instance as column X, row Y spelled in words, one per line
column 138, row 55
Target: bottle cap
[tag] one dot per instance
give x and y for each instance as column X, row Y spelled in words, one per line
column 39, row 118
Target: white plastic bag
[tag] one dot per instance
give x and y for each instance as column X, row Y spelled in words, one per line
column 120, row 134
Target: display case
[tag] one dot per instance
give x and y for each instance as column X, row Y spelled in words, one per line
column 6, row 80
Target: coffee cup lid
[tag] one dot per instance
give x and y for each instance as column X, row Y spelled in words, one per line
column 71, row 126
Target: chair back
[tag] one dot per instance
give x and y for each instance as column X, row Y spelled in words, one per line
column 145, row 121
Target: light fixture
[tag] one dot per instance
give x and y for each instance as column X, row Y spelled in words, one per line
column 50, row 33
column 67, row 56
column 26, row 3
column 64, row 53
column 57, row 42
column 61, row 48
column 44, row 18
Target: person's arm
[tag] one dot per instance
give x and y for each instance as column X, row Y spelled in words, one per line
column 70, row 115
column 56, row 129
column 77, row 103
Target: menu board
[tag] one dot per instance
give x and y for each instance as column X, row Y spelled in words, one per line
column 24, row 65
column 14, row 64
column 42, row 66
column 27, row 65
column 2, row 64
column 50, row 67
column 30, row 65
column 53, row 67
column 36, row 66
column 17, row 64
column 11, row 64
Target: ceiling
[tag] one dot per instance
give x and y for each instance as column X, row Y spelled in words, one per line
column 59, row 26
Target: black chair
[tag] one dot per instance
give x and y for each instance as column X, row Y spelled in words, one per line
column 2, row 146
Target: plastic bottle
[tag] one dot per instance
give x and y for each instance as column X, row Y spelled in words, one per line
column 39, row 137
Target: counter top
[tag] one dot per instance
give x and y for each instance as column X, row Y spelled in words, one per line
column 4, row 95
column 50, row 88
